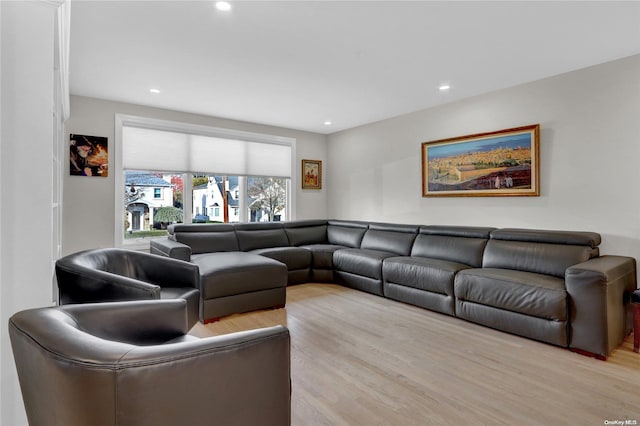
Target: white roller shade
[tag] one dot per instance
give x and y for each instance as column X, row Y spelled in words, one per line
column 146, row 149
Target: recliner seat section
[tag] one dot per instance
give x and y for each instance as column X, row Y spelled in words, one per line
column 270, row 240
column 361, row 268
column 551, row 286
column 520, row 287
column 426, row 277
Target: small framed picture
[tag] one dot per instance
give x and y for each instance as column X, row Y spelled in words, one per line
column 88, row 156
column 311, row 174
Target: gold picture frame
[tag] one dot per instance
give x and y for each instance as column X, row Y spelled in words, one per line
column 311, row 174
column 492, row 164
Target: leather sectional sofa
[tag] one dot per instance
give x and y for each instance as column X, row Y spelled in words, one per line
column 551, row 286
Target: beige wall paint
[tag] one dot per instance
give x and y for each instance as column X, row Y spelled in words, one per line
column 590, row 151
column 88, row 216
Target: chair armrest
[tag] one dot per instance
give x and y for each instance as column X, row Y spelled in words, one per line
column 169, row 248
column 598, row 290
column 164, row 271
column 81, row 284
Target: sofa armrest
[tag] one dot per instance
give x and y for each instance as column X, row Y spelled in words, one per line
column 169, row 248
column 598, row 291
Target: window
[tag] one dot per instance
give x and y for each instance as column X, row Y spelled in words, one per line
column 217, row 169
column 267, row 199
column 146, row 213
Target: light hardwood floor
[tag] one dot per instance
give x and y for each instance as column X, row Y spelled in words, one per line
column 360, row 359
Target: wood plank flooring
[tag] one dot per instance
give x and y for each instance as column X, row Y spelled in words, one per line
column 360, row 359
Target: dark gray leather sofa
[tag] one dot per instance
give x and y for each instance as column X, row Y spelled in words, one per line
column 133, row 364
column 551, row 286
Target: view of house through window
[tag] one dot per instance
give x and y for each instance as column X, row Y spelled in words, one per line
column 263, row 198
column 168, row 173
column 153, row 200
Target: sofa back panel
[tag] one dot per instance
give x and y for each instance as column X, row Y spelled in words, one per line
column 255, row 226
column 299, row 236
column 458, row 231
column 304, row 223
column 541, row 258
column 590, row 239
column 199, row 227
column 349, row 223
column 342, row 235
column 207, row 242
column 261, row 238
column 454, row 249
column 412, row 229
column 390, row 241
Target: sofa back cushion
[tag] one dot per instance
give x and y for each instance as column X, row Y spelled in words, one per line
column 543, row 252
column 252, row 236
column 306, row 232
column 346, row 233
column 391, row 238
column 460, row 244
column 205, row 237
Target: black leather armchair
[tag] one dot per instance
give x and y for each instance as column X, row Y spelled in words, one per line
column 132, row 363
column 112, row 274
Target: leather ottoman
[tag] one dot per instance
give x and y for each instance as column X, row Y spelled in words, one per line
column 236, row 282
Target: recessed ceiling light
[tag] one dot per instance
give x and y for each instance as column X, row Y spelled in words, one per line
column 328, row 123
column 223, row 5
column 444, row 87
column 154, row 91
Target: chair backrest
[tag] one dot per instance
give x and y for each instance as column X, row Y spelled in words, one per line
column 113, row 274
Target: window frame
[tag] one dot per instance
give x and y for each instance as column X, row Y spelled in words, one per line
column 124, row 120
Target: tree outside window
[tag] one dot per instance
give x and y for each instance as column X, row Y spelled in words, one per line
column 267, row 198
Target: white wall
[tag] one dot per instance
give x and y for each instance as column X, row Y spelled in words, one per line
column 27, row 53
column 88, row 220
column 590, row 151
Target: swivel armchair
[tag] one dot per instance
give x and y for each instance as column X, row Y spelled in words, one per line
column 132, row 364
column 112, row 274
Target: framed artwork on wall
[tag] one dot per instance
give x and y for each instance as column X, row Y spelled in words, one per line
column 311, row 174
column 88, row 155
column 493, row 164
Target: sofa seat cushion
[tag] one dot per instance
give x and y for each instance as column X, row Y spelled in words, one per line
column 322, row 254
column 421, row 273
column 364, row 262
column 231, row 273
column 537, row 295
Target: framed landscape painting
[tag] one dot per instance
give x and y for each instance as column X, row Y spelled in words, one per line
column 494, row 164
column 311, row 174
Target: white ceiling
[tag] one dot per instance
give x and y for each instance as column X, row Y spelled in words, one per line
column 297, row 64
